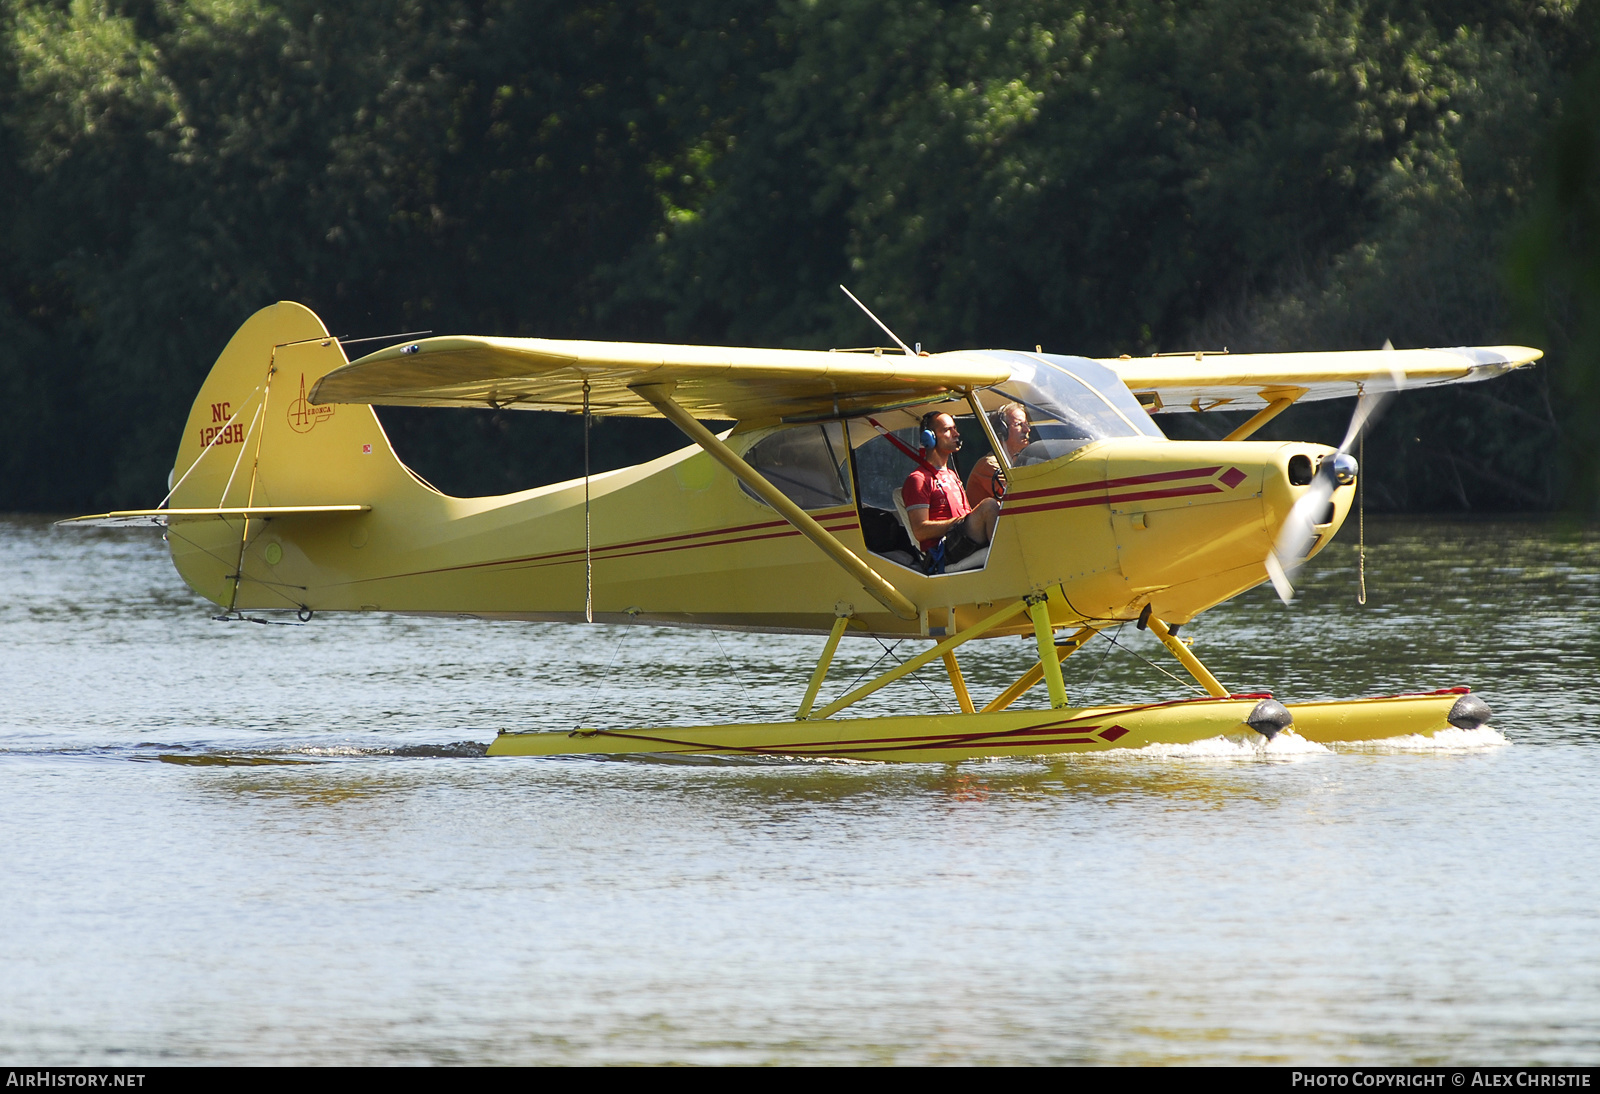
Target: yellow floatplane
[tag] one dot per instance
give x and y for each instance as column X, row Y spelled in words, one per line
column 286, row 494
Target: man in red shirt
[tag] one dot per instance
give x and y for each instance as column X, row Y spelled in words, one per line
column 936, row 504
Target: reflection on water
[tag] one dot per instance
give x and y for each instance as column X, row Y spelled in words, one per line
column 234, row 843
column 225, row 760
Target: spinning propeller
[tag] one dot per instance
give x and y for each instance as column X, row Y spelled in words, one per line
column 1288, row 553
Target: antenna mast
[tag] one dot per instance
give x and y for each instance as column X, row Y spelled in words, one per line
column 880, row 322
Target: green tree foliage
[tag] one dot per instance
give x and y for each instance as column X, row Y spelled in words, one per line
column 1127, row 176
column 393, row 165
column 1147, row 176
column 1556, row 273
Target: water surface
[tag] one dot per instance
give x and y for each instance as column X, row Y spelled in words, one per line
column 251, row 843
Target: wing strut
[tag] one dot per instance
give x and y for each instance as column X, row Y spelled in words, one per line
column 660, row 397
column 1278, row 400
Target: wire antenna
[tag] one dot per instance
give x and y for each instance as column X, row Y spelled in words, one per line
column 381, row 337
column 878, row 321
column 588, row 550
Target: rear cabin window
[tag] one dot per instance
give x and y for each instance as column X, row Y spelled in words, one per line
column 806, row 463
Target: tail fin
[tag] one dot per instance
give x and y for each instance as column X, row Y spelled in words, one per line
column 253, row 441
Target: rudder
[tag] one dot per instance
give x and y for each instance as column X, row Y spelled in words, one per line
column 252, row 440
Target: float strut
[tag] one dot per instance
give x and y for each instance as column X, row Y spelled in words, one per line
column 1187, row 658
column 983, row 626
column 958, row 683
column 1045, row 635
column 823, row 662
column 1016, row 691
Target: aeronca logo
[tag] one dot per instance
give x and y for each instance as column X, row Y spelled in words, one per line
column 303, row 417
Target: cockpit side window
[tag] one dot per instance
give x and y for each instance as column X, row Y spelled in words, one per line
column 881, row 468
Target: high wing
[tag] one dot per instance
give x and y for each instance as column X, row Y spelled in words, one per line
column 1251, row 381
column 708, row 381
column 766, row 384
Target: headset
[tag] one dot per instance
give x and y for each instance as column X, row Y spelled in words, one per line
column 927, row 438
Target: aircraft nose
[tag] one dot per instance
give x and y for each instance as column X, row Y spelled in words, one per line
column 1298, row 468
column 1343, row 468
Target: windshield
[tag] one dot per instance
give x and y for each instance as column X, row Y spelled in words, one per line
column 1070, row 402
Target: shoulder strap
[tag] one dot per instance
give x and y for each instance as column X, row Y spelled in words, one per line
column 902, row 446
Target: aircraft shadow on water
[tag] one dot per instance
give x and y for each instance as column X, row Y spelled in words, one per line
column 286, row 494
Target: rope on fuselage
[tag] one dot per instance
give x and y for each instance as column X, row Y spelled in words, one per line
column 627, row 629
column 1361, row 520
column 588, row 556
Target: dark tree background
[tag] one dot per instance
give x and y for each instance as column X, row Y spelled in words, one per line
column 1128, row 176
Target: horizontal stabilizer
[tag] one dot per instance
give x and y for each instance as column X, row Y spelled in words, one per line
column 160, row 518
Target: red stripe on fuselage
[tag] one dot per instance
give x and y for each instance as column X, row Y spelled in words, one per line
column 784, row 534
column 1143, row 495
column 832, row 522
column 1116, row 484
column 842, row 522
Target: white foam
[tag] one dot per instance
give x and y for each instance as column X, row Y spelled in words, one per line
column 1237, row 746
column 1445, row 740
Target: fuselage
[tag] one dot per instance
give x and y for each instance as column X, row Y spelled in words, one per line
column 1113, row 524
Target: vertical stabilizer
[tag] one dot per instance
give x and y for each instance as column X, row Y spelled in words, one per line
column 252, row 439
